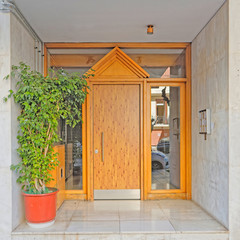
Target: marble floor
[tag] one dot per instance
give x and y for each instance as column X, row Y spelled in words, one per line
column 74, row 182
column 128, row 219
column 161, row 179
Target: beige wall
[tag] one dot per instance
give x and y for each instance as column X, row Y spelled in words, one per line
column 210, row 158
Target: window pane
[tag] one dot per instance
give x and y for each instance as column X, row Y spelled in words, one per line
column 165, row 137
column 72, row 139
column 75, row 58
column 73, row 160
column 160, row 63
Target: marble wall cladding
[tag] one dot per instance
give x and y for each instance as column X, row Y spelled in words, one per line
column 5, row 202
column 22, row 44
column 234, row 119
column 22, row 50
column 134, row 236
column 5, row 130
column 5, row 37
column 16, row 45
column 210, row 158
column 4, row 59
column 5, row 139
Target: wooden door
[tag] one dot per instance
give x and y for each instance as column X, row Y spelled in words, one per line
column 116, row 137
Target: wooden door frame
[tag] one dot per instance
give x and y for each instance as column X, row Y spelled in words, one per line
column 85, row 193
column 166, row 193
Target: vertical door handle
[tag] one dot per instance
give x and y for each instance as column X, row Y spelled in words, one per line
column 102, row 147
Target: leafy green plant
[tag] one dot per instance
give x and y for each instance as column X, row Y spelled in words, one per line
column 43, row 101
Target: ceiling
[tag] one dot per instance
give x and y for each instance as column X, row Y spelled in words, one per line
column 118, row 20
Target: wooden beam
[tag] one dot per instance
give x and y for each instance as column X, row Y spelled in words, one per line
column 112, row 45
column 189, row 124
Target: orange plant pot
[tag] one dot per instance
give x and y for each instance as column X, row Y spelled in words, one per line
column 40, row 208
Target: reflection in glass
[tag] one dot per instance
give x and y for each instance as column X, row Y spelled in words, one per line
column 73, row 157
column 160, row 63
column 72, row 139
column 165, row 137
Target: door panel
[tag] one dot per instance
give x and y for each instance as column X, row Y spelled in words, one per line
column 116, row 137
column 165, row 137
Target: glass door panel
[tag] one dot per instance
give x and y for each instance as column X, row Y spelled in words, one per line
column 165, row 138
column 71, row 138
column 73, row 159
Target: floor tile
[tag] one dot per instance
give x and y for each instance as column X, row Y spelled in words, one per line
column 70, row 205
column 129, row 205
column 58, row 227
column 146, row 226
column 106, row 236
column 188, row 236
column 129, row 219
column 143, row 214
column 197, row 225
column 100, row 205
column 176, row 203
column 64, row 215
column 93, row 227
column 95, row 215
column 186, row 214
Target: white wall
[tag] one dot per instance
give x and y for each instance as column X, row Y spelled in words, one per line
column 210, row 158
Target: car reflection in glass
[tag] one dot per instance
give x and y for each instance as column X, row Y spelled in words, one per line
column 163, row 145
column 159, row 161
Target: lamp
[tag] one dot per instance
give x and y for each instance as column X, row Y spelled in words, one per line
column 150, row 29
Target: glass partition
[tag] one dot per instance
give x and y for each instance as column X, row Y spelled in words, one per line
column 165, row 137
column 72, row 139
column 160, row 63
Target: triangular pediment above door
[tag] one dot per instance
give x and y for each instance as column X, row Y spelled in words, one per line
column 117, row 64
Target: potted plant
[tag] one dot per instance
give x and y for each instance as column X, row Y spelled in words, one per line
column 43, row 101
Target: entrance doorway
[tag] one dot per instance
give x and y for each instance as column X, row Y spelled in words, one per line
column 116, row 140
column 134, row 142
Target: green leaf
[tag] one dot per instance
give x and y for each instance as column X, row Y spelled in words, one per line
column 43, row 101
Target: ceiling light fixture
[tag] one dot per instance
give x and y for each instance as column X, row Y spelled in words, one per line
column 150, row 29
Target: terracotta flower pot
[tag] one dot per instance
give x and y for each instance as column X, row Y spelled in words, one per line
column 40, row 209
